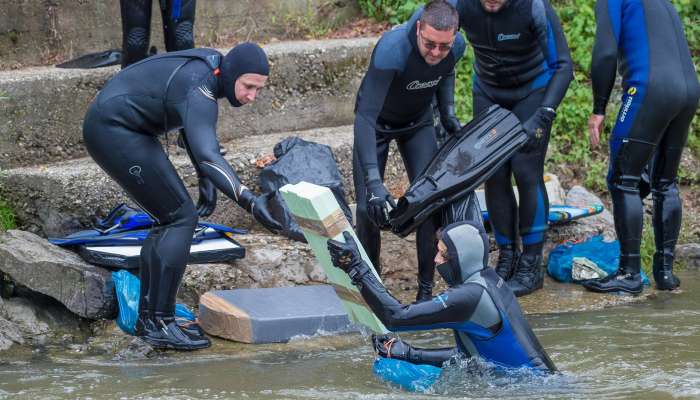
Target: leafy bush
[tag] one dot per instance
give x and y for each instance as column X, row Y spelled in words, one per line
column 7, row 217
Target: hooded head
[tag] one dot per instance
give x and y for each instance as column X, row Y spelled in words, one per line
column 245, row 58
column 467, row 251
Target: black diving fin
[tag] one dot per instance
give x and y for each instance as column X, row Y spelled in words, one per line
column 94, row 60
column 464, row 162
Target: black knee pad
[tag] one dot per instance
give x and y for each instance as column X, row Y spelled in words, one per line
column 184, row 36
column 137, row 40
column 624, row 183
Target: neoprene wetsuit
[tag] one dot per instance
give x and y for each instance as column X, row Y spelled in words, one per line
column 159, row 94
column 394, row 103
column 659, row 101
column 479, row 307
column 178, row 26
column 522, row 63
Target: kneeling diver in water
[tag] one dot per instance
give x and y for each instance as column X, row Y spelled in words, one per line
column 479, row 307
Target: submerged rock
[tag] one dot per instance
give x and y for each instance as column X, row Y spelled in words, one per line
column 31, row 261
column 688, row 255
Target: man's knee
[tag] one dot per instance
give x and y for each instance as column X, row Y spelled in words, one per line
column 185, row 216
column 137, row 40
column 184, row 36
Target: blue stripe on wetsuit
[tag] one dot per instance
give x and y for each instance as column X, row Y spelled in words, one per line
column 634, row 42
column 549, row 65
column 177, row 10
column 536, row 232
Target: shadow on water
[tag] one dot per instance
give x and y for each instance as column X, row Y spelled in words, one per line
column 649, row 350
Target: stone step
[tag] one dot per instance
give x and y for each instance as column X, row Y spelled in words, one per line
column 59, row 198
column 312, row 84
column 41, row 33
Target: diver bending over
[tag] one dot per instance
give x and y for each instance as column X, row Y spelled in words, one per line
column 479, row 307
column 409, row 66
column 159, row 94
column 661, row 93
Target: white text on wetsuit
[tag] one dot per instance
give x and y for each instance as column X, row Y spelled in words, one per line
column 417, row 85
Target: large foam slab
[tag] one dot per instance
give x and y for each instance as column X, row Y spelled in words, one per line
column 273, row 314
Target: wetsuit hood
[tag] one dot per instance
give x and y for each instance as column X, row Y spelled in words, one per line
column 245, row 58
column 467, row 250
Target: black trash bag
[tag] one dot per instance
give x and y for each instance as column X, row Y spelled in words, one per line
column 299, row 160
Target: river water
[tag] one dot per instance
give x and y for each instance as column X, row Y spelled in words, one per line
column 649, row 350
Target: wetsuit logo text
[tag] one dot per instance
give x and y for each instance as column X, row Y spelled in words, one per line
column 417, row 85
column 628, row 103
column 512, row 36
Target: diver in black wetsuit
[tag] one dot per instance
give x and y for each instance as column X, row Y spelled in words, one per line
column 479, row 307
column 522, row 63
column 661, row 93
column 159, row 94
column 409, row 65
column 178, row 27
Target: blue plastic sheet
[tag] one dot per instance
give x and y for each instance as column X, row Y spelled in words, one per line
column 128, row 288
column 411, row 377
column 605, row 254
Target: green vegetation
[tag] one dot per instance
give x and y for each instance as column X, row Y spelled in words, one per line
column 7, row 217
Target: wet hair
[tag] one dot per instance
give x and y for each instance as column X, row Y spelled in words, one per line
column 441, row 15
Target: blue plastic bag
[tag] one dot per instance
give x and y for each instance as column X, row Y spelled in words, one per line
column 128, row 288
column 408, row 376
column 605, row 254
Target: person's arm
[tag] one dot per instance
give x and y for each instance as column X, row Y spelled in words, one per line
column 555, row 50
column 199, row 121
column 446, row 310
column 604, row 60
column 370, row 100
column 389, row 347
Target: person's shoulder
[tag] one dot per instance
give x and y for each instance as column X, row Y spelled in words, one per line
column 393, row 49
column 459, row 46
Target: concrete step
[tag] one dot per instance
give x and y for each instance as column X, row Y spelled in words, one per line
column 58, row 198
column 41, row 33
column 312, row 84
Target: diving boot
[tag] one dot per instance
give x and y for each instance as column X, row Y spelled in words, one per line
column 528, row 275
column 627, row 278
column 163, row 333
column 508, row 256
column 425, row 291
column 663, row 272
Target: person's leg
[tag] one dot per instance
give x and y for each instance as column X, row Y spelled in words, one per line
column 139, row 165
column 533, row 208
column 417, row 150
column 667, row 201
column 366, row 230
column 178, row 24
column 136, row 30
column 501, row 204
column 639, row 127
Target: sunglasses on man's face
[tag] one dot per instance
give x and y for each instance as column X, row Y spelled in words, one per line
column 430, row 45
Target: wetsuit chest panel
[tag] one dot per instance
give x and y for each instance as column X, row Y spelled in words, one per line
column 505, row 44
column 413, row 89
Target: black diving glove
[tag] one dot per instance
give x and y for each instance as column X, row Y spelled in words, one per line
column 389, row 347
column 537, row 127
column 207, row 197
column 378, row 202
column 449, row 119
column 346, row 256
column 257, row 206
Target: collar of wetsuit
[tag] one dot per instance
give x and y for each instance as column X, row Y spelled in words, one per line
column 467, row 249
column 245, row 58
